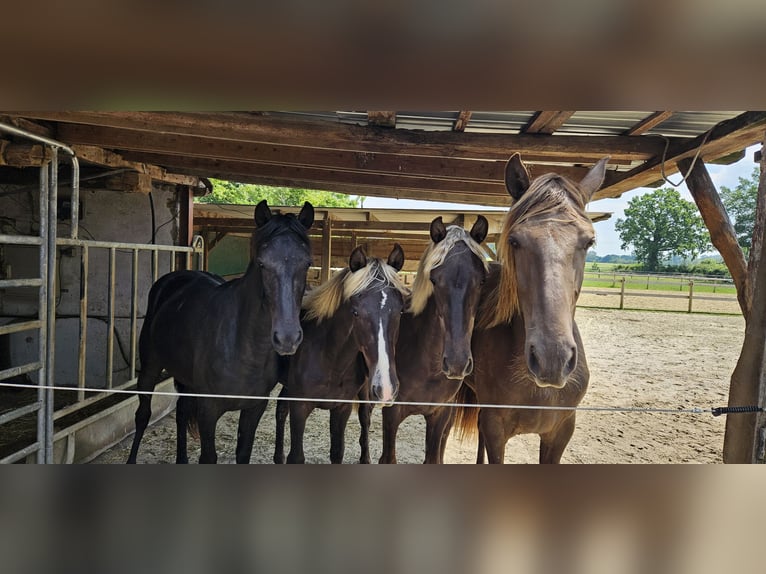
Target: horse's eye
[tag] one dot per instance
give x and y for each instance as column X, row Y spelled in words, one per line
column 260, row 265
column 589, row 244
column 355, row 313
column 513, row 242
column 432, row 280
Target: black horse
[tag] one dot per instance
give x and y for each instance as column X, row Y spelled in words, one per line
column 216, row 337
column 351, row 324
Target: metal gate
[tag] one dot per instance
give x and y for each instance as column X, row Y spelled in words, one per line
column 164, row 258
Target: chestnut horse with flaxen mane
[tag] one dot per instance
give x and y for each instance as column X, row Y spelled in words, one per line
column 527, row 349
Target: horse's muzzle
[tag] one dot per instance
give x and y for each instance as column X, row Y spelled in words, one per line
column 287, row 344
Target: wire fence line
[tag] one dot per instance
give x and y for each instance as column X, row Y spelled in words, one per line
column 715, row 411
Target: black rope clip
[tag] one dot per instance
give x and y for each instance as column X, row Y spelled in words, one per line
column 718, row 411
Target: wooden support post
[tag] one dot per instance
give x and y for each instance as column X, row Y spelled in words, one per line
column 722, row 232
column 691, row 295
column 622, row 293
column 744, row 432
column 326, row 249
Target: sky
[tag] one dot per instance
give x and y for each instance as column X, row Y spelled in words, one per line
column 607, row 239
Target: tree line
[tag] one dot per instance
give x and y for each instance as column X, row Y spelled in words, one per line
column 661, row 224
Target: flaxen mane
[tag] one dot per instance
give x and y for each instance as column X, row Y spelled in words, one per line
column 322, row 302
column 434, row 255
column 550, row 197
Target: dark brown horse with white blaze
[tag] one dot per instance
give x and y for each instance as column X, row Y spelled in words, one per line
column 217, row 337
column 527, row 348
column 351, row 324
column 433, row 353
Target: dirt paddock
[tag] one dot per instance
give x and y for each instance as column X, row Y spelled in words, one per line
column 636, row 358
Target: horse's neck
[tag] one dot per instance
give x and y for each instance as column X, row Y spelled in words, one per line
column 254, row 315
column 330, row 338
column 429, row 336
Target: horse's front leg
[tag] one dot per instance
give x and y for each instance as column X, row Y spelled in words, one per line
column 282, row 410
column 207, row 419
column 248, row 423
column 492, row 430
column 392, row 418
column 437, row 424
column 299, row 412
column 338, row 420
column 553, row 444
column 365, row 415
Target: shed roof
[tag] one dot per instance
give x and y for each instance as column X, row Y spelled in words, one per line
column 455, row 156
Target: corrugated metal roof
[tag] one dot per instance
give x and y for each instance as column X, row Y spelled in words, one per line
column 680, row 124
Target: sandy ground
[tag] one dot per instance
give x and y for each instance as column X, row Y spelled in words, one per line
column 636, row 358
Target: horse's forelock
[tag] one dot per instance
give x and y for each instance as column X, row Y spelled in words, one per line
column 324, row 301
column 280, row 224
column 434, row 256
column 549, row 194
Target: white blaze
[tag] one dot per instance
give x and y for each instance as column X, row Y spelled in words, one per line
column 383, row 371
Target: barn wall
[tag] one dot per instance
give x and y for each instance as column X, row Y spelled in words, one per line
column 106, row 216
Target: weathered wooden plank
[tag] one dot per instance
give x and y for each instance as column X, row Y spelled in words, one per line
column 100, row 156
column 648, row 123
column 326, row 249
column 322, row 134
column 721, row 230
column 129, row 181
column 462, row 121
column 23, row 155
column 159, row 149
column 546, row 122
column 384, row 119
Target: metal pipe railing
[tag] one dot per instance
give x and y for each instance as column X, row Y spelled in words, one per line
column 55, row 146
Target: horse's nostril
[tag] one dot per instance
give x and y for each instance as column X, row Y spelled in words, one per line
column 534, row 363
column 445, row 366
column 468, row 367
column 275, row 339
column 572, row 363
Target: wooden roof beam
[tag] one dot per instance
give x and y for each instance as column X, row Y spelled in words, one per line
column 370, row 139
column 546, row 122
column 99, row 156
column 648, row 123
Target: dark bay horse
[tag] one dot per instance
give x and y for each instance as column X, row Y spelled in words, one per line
column 527, row 348
column 433, row 353
column 350, row 327
column 217, row 337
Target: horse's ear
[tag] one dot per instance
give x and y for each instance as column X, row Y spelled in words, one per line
column 516, row 177
column 396, row 257
column 593, row 180
column 262, row 213
column 306, row 216
column 480, row 229
column 357, row 260
column 438, row 231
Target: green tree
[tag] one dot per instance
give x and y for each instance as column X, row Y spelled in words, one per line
column 661, row 224
column 740, row 204
column 250, row 194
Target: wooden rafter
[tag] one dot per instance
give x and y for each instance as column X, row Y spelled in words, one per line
column 648, row 123
column 546, row 122
column 725, row 138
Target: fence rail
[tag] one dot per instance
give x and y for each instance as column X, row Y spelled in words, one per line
column 690, row 288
